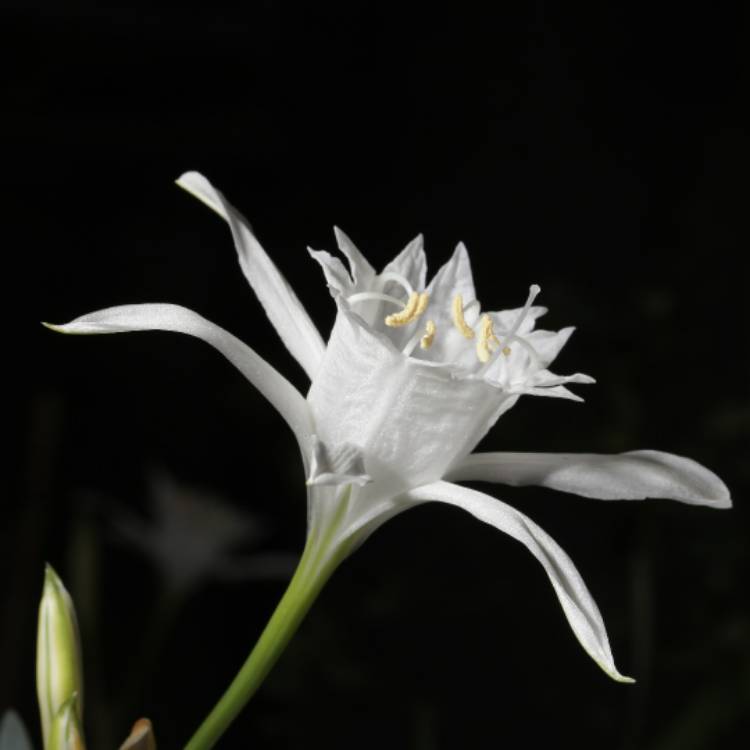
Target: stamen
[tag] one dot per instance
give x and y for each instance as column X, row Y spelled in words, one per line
column 405, row 316
column 424, row 300
column 458, row 318
column 429, row 336
column 487, row 339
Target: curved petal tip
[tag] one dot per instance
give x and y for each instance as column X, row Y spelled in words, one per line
column 61, row 328
column 612, row 672
column 187, row 179
column 199, row 187
column 723, row 500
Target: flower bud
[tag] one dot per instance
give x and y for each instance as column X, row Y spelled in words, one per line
column 65, row 730
column 141, row 737
column 59, row 676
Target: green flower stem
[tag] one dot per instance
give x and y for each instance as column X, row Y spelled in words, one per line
column 315, row 567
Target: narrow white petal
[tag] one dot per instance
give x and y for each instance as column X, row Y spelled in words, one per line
column 361, row 270
column 625, row 476
column 411, row 263
column 164, row 317
column 545, row 379
column 454, row 277
column 504, row 319
column 284, row 310
column 555, row 391
column 549, row 343
column 336, row 274
column 577, row 603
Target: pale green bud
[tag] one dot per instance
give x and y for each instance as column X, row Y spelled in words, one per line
column 59, row 675
column 65, row 731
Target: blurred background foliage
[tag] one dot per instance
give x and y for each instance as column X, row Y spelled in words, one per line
column 602, row 153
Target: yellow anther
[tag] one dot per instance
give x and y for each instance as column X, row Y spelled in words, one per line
column 424, row 300
column 405, row 316
column 506, row 350
column 487, row 339
column 487, row 332
column 429, row 335
column 458, row 318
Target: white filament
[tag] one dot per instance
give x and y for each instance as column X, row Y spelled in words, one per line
column 378, row 296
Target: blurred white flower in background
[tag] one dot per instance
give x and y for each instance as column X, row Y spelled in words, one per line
column 13, row 734
column 192, row 534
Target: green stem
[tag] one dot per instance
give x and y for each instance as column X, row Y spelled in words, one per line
column 315, row 567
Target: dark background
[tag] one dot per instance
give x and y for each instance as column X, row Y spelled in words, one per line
column 602, row 153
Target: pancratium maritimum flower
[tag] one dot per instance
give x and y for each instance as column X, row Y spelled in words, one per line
column 411, row 379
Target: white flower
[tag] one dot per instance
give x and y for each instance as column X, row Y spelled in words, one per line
column 411, row 379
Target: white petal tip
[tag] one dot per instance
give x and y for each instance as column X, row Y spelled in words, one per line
column 720, row 503
column 199, row 187
column 617, row 677
column 342, row 238
column 611, row 671
column 187, row 179
column 74, row 328
column 57, row 328
column 574, row 397
column 721, row 499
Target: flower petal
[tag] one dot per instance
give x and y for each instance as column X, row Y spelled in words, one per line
column 504, row 319
column 453, row 277
column 549, row 343
column 284, row 310
column 411, row 263
column 577, row 603
column 164, row 317
column 337, row 276
column 625, row 476
column 361, row 270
